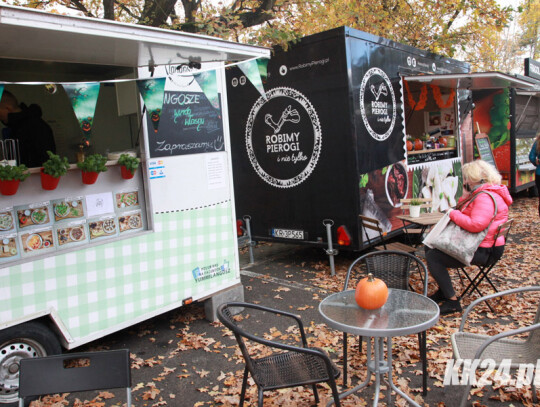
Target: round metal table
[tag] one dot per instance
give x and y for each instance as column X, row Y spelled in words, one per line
column 404, row 313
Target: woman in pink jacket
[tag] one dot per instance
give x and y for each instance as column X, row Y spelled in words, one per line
column 477, row 176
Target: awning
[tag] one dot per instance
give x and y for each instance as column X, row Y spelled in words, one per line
column 38, row 36
column 473, row 81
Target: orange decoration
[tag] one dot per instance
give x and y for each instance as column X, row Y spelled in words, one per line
column 438, row 97
column 371, row 293
column 421, row 100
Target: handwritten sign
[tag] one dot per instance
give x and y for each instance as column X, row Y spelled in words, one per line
column 189, row 124
column 484, row 148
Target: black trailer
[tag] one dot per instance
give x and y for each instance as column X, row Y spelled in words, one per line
column 333, row 129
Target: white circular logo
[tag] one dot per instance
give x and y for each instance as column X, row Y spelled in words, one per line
column 378, row 104
column 234, row 82
column 283, row 137
column 242, row 80
column 283, row 70
column 434, row 67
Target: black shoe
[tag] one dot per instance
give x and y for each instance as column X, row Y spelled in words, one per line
column 450, row 306
column 438, row 296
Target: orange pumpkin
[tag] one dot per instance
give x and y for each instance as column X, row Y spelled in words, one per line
column 371, row 293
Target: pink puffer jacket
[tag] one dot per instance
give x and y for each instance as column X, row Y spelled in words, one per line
column 477, row 215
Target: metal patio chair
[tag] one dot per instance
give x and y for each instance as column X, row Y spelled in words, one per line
column 394, row 268
column 75, row 372
column 374, row 225
column 285, row 365
column 484, row 270
column 467, row 345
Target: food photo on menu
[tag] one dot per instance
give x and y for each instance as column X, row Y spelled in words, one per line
column 69, row 208
column 7, row 222
column 70, row 234
column 102, row 228
column 37, row 241
column 33, row 215
column 127, row 199
column 130, row 221
column 8, row 247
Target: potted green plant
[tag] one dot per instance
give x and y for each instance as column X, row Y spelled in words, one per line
column 414, row 207
column 128, row 165
column 91, row 167
column 52, row 170
column 10, row 178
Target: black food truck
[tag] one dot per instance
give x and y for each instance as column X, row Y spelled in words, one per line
column 349, row 124
column 328, row 139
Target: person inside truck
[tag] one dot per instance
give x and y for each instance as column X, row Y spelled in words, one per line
column 534, row 157
column 477, row 176
column 25, row 125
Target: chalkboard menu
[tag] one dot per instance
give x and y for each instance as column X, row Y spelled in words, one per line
column 189, row 124
column 484, row 149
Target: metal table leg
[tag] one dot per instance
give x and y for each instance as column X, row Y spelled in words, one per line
column 378, row 365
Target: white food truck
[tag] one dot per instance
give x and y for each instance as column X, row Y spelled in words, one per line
column 85, row 260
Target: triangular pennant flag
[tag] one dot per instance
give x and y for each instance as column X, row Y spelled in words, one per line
column 83, row 97
column 262, row 63
column 208, row 83
column 1, row 91
column 152, row 91
column 251, row 70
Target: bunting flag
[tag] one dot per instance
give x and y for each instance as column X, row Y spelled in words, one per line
column 152, row 91
column 1, row 91
column 251, row 70
column 262, row 63
column 83, row 97
column 208, row 83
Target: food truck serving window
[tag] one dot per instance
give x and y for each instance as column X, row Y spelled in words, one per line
column 430, row 119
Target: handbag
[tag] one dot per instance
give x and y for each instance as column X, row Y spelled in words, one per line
column 456, row 241
column 436, row 230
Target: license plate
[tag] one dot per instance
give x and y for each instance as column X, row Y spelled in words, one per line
column 288, row 233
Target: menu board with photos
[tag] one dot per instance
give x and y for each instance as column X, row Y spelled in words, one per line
column 63, row 223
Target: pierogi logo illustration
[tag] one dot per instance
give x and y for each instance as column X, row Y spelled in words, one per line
column 283, row 137
column 378, row 104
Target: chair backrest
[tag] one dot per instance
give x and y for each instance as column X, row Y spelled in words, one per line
column 427, row 203
column 75, row 372
column 502, row 230
column 395, row 268
column 226, row 314
column 372, row 224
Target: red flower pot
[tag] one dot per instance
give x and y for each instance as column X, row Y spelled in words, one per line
column 9, row 187
column 126, row 174
column 48, row 182
column 89, row 178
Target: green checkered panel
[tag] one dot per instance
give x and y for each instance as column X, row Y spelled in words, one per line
column 190, row 254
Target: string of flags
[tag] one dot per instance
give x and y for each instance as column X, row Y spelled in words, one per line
column 83, row 95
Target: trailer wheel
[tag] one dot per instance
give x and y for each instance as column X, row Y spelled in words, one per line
column 29, row 340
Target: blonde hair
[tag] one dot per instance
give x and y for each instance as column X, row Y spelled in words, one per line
column 481, row 172
column 537, row 140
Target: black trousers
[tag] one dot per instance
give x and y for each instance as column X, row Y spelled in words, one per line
column 438, row 264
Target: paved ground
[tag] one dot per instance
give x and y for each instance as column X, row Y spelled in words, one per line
column 180, row 359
